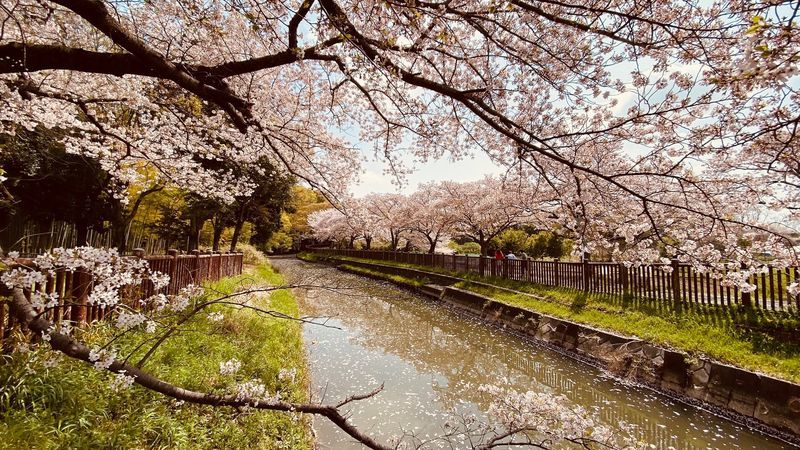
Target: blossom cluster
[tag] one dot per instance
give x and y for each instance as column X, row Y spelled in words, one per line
column 230, row 367
column 535, row 411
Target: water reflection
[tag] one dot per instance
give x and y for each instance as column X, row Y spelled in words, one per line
column 431, row 360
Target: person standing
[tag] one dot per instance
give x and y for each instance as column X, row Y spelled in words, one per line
column 524, row 257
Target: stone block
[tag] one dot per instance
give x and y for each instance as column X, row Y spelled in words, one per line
column 570, row 336
column 674, row 372
column 778, row 404
column 699, row 373
column 730, row 387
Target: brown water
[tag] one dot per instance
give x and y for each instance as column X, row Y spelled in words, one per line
column 430, row 358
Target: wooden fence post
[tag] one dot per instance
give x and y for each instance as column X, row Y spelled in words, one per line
column 173, row 271
column 216, row 262
column 586, row 271
column 195, row 270
column 626, row 285
column 747, row 301
column 676, row 283
column 81, row 283
column 556, row 272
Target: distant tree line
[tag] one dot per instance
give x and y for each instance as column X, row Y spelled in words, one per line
column 46, row 184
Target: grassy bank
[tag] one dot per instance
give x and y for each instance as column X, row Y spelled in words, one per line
column 746, row 338
column 72, row 405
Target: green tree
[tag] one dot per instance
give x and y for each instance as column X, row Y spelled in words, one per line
column 47, row 183
column 513, row 240
column 263, row 207
column 171, row 224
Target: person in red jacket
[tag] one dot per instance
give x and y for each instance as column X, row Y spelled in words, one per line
column 499, row 255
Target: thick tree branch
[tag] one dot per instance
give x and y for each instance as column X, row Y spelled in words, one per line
column 96, row 13
column 18, row 57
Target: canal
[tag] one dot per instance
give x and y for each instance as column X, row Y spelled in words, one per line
column 431, row 359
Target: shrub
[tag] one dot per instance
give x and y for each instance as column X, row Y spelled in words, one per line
column 252, row 255
column 465, row 248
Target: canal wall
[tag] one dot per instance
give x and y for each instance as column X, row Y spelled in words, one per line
column 759, row 400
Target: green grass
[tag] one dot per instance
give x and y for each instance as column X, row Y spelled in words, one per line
column 750, row 338
column 72, row 406
column 405, row 281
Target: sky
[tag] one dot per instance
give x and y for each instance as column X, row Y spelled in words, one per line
column 374, row 180
column 469, row 169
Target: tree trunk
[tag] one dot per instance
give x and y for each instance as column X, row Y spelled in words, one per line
column 432, row 243
column 368, row 242
column 218, row 229
column 120, row 230
column 237, row 231
column 81, row 234
column 195, row 225
column 484, row 253
column 352, row 241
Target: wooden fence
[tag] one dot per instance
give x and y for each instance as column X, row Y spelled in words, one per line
column 680, row 285
column 73, row 287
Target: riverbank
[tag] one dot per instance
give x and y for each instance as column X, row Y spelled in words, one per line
column 732, row 337
column 72, row 405
column 765, row 403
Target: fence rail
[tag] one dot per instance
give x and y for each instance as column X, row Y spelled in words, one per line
column 683, row 284
column 73, row 287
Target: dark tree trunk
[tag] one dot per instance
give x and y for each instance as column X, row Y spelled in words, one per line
column 81, row 234
column 123, row 221
column 368, row 242
column 484, row 243
column 432, row 241
column 352, row 241
column 195, row 225
column 218, row 229
column 120, row 230
column 237, row 231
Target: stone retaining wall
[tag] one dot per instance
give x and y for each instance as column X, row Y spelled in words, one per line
column 769, row 403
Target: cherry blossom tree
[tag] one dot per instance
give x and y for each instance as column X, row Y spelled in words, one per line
column 362, row 220
column 480, row 210
column 641, row 124
column 331, row 224
column 429, row 214
column 388, row 214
